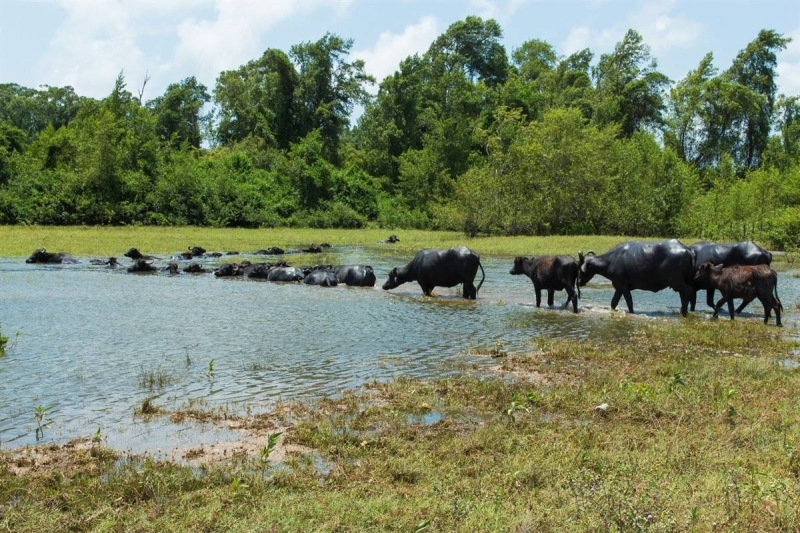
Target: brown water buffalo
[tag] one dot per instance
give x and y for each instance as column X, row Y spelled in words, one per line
column 743, row 281
column 726, row 254
column 552, row 273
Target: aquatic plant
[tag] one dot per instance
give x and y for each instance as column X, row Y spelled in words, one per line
column 39, row 414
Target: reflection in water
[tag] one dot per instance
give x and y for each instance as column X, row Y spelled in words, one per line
column 88, row 334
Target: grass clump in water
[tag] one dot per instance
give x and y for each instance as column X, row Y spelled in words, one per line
column 154, row 379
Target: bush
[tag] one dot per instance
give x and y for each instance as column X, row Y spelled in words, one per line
column 784, row 231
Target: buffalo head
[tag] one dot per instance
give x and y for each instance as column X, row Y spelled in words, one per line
column 518, row 266
column 704, row 271
column 40, row 256
column 393, row 280
column 586, row 267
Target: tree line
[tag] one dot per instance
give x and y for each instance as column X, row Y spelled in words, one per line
column 463, row 137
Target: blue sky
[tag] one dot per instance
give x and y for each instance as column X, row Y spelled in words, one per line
column 86, row 43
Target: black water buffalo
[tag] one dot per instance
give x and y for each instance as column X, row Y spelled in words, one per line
column 285, row 274
column 323, row 278
column 171, row 268
column 43, row 256
column 110, row 263
column 274, row 250
column 262, row 270
column 143, row 266
column 193, row 251
column 734, row 253
column 355, row 275
column 552, row 273
column 644, row 266
column 743, row 281
column 391, row 240
column 233, row 269
column 194, row 268
column 135, row 254
column 440, row 268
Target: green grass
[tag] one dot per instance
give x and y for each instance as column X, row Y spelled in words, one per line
column 700, row 434
column 18, row 241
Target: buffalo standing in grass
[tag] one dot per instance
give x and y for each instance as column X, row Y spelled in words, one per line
column 644, row 266
column 552, row 273
column 743, row 281
column 440, row 268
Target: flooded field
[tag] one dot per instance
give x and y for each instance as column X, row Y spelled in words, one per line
column 91, row 343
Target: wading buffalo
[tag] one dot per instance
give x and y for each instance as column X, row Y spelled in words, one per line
column 323, row 278
column 552, row 273
column 734, row 253
column 43, row 256
column 355, row 275
column 135, row 254
column 285, row 274
column 440, row 268
column 110, row 263
column 645, row 266
column 194, row 268
column 143, row 265
column 743, row 281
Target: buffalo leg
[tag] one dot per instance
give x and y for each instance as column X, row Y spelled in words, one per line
column 709, row 298
column 550, row 295
column 426, row 290
column 628, row 300
column 573, row 297
column 693, row 300
column 538, row 291
column 730, row 307
column 717, row 307
column 745, row 303
column 470, row 292
column 615, row 299
column 685, row 299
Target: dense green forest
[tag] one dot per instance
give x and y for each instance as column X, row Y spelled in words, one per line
column 464, row 137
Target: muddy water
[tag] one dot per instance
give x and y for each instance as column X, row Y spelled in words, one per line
column 82, row 338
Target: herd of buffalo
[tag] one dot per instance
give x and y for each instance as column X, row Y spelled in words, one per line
column 738, row 270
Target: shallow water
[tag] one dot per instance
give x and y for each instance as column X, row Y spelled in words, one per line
column 82, row 337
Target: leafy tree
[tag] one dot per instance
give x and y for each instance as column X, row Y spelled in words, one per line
column 754, row 68
column 328, row 89
column 178, row 112
column 471, row 46
column 259, row 99
column 629, row 87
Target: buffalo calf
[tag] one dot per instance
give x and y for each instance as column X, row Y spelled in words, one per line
column 743, row 281
column 552, row 273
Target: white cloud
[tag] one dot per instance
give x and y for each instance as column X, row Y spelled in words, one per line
column 385, row 55
column 492, row 9
column 96, row 41
column 234, row 36
column 789, row 67
column 659, row 28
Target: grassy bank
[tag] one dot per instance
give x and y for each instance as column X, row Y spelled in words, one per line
column 19, row 241
column 688, row 425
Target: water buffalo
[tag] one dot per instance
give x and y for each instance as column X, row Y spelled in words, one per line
column 194, row 268
column 135, row 254
column 391, row 240
column 440, row 268
column 323, row 278
column 142, row 265
column 355, row 275
column 743, row 281
column 553, row 273
column 233, row 269
column 171, row 268
column 262, row 270
column 285, row 274
column 43, row 256
column 110, row 263
column 645, row 266
column 193, row 251
column 270, row 251
column 734, row 253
